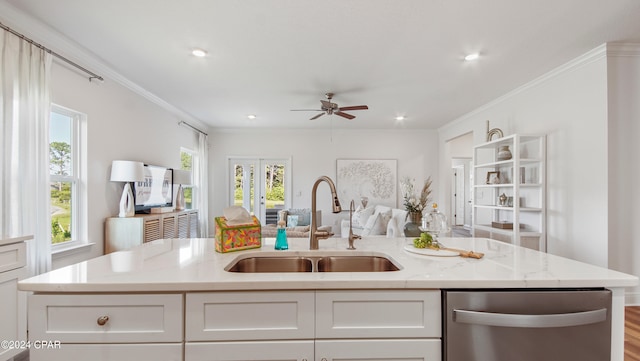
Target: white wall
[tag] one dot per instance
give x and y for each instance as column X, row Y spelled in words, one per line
column 569, row 105
column 624, row 168
column 314, row 153
column 120, row 125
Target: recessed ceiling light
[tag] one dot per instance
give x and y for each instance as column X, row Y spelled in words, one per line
column 199, row 53
column 472, row 57
column 251, row 116
column 400, row 117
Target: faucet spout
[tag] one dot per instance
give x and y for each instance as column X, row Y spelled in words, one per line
column 352, row 236
column 314, row 236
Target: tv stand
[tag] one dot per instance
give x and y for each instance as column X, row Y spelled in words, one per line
column 122, row 233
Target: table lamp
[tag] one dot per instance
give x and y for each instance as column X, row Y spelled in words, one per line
column 127, row 171
column 181, row 177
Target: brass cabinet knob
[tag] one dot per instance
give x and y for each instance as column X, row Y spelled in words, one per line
column 102, row 320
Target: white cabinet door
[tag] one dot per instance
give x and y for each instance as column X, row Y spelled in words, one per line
column 378, row 314
column 228, row 316
column 13, row 311
column 12, row 256
column 379, row 350
column 109, row 352
column 254, row 351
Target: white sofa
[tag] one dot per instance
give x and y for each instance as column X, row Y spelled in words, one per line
column 376, row 221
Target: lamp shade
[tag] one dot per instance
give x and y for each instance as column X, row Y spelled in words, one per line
column 181, row 176
column 127, row 171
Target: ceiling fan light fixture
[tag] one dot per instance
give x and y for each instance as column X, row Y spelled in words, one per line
column 251, row 116
column 472, row 57
column 400, row 118
column 199, row 53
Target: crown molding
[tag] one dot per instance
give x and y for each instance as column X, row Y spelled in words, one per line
column 54, row 40
column 623, row 49
column 591, row 56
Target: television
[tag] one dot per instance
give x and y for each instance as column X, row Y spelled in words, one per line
column 156, row 190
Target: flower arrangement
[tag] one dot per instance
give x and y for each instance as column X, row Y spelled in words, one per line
column 414, row 203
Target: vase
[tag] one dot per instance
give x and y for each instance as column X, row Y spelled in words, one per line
column 504, row 153
column 412, row 227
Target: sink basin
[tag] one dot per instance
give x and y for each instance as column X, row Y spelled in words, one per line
column 356, row 264
column 312, row 262
column 271, row 264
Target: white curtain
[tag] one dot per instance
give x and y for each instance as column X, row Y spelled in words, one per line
column 201, row 182
column 25, row 72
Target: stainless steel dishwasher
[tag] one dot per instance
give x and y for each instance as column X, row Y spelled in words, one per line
column 527, row 325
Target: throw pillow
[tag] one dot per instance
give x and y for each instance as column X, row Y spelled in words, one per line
column 292, row 220
column 282, row 215
column 377, row 224
column 361, row 216
column 304, row 215
column 381, row 209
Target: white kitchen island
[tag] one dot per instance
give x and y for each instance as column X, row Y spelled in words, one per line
column 173, row 300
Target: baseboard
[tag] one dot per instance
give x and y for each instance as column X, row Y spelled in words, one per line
column 632, row 299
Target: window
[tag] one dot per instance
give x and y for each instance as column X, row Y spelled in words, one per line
column 65, row 176
column 186, row 161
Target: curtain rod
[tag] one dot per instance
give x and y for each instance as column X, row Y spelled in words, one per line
column 182, row 122
column 21, row 36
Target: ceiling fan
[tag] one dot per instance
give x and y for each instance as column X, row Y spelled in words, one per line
column 332, row 108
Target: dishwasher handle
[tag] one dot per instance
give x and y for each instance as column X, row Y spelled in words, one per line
column 529, row 321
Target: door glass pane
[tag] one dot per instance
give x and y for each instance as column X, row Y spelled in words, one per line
column 274, row 186
column 61, row 203
column 244, row 186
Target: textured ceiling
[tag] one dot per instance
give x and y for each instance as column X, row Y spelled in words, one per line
column 400, row 57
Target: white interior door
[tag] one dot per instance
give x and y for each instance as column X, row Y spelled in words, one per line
column 260, row 185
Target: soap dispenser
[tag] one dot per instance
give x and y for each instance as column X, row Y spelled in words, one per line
column 281, row 237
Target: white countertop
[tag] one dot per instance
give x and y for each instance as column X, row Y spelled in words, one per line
column 181, row 265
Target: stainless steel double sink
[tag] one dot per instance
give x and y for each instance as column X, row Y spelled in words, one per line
column 313, row 262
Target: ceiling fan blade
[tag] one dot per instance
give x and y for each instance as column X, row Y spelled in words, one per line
column 355, row 107
column 317, row 116
column 344, row 115
column 306, row 110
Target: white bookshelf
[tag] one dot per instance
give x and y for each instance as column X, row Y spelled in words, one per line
column 522, row 179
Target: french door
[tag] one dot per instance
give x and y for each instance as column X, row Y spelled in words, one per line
column 260, row 185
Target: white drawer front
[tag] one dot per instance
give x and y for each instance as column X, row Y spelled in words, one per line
column 254, row 351
column 249, row 315
column 109, row 352
column 379, row 350
column 386, row 314
column 131, row 318
column 12, row 256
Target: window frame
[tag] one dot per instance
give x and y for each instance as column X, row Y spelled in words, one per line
column 77, row 179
